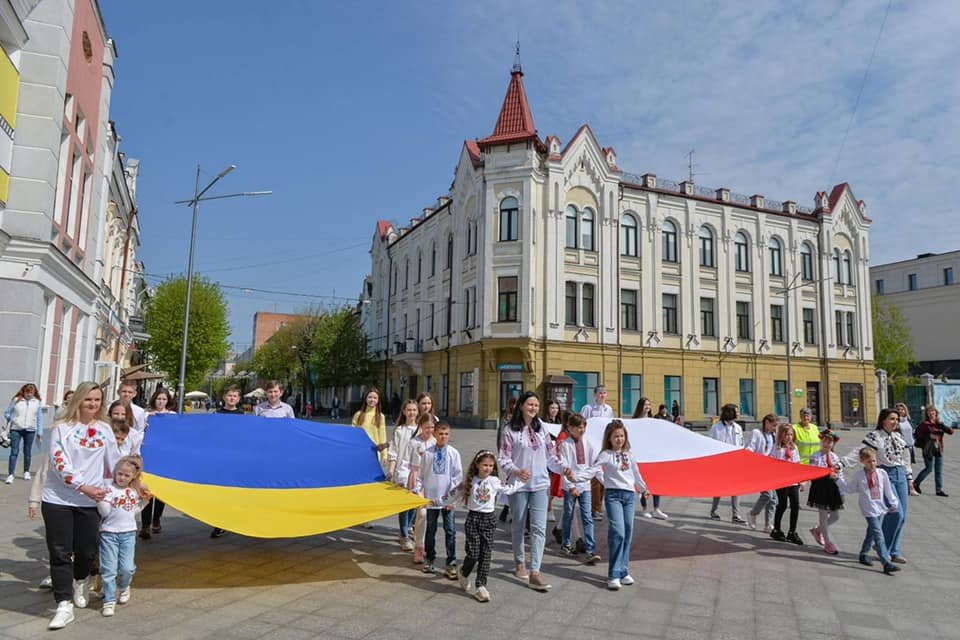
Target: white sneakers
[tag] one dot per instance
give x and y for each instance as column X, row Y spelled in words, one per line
column 626, row 581
column 9, row 479
column 613, row 584
column 482, row 595
column 26, row 475
column 124, row 596
column 46, row 583
column 108, row 609
column 63, row 616
column 81, row 590
column 406, row 544
column 660, row 515
column 647, row 514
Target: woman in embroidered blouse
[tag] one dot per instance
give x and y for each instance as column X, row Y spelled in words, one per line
column 526, row 455
column 82, row 450
column 892, row 457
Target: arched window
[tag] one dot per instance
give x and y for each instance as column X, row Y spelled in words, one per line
column 586, row 230
column 450, row 251
column 509, row 219
column 406, row 274
column 706, row 247
column 776, row 257
column 433, row 259
column 669, row 234
column 847, row 268
column 419, row 266
column 806, row 261
column 628, row 235
column 742, row 252
column 836, row 267
column 572, row 227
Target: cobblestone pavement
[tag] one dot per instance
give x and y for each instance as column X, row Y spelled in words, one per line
column 696, row 578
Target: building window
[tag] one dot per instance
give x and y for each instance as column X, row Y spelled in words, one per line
column 780, row 398
column 507, row 299
column 776, row 322
column 466, row 392
column 708, row 326
column 912, row 282
column 711, row 395
column 741, row 252
column 468, row 302
column 584, row 383
column 851, row 332
column 572, row 227
column 406, row 274
column 670, row 314
column 509, row 219
column 743, row 321
column 669, row 234
column 947, row 276
column 838, row 322
column 393, row 285
column 628, row 235
column 571, row 303
column 586, row 230
column 628, row 309
column 746, row 397
column 879, row 285
column 776, row 257
column 587, row 310
column 467, row 250
column 809, row 324
column 847, row 269
column 450, row 251
column 433, row 310
column 672, row 394
column 445, row 393
column 631, row 386
column 433, row 259
column 846, row 332
column 706, row 247
column 806, row 261
column 419, row 267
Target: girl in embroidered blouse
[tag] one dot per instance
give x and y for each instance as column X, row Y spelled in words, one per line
column 825, row 493
column 398, row 471
column 413, row 457
column 785, row 449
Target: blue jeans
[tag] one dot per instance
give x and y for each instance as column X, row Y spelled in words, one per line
column 406, row 522
column 536, row 503
column 16, row 435
column 116, row 562
column 449, row 534
column 930, row 463
column 893, row 522
column 656, row 502
column 766, row 502
column 570, row 503
column 620, row 505
column 874, row 537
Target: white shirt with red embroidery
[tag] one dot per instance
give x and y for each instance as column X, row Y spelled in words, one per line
column 80, row 455
column 119, row 509
column 620, row 470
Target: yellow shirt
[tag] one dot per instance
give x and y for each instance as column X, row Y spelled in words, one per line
column 375, row 429
column 807, row 440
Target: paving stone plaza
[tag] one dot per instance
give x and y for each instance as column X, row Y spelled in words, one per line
column 695, row 579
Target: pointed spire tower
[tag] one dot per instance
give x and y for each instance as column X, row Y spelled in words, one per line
column 515, row 123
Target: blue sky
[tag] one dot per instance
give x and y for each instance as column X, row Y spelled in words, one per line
column 356, row 111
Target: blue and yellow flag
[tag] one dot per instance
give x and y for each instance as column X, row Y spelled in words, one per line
column 268, row 477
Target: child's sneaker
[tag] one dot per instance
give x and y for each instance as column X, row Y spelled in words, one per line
column 660, row 515
column 890, row 568
column 46, row 583
column 613, row 584
column 626, row 581
column 647, row 514
column 406, row 544
column 593, row 558
column 108, row 609
column 830, row 549
column 865, row 560
column 452, row 572
column 566, row 550
column 124, row 596
column 26, row 475
column 63, row 616
column 482, row 595
column 418, row 555
column 817, row 535
column 428, row 567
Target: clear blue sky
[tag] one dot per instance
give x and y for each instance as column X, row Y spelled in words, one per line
column 356, row 111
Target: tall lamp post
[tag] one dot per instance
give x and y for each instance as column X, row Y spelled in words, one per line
column 195, row 203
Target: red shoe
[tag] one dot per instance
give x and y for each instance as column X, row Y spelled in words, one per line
column 831, row 549
column 817, row 535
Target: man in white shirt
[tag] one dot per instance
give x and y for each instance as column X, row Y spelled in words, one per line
column 127, row 392
column 274, row 407
column 597, row 409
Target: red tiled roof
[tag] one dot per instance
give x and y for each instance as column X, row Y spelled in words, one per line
column 383, row 228
column 836, row 194
column 474, row 150
column 515, row 122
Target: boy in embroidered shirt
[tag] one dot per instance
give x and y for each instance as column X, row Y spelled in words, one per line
column 441, row 474
column 127, row 391
column 877, row 499
column 576, row 455
column 118, row 532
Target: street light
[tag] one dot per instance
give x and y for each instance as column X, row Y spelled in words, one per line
column 195, row 203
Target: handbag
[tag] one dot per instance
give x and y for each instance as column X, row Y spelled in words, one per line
column 931, row 448
column 5, row 435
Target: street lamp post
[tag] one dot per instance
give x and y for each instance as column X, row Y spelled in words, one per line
column 195, row 203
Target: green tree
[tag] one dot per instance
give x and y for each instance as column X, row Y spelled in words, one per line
column 340, row 350
column 892, row 342
column 207, row 339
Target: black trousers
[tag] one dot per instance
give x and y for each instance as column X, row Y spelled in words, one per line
column 152, row 512
column 479, row 530
column 73, row 535
column 792, row 494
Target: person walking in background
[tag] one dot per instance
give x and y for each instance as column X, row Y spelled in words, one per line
column 806, row 435
column 273, row 406
column 907, row 433
column 25, row 418
column 597, row 409
column 727, row 430
column 335, row 407
column 663, row 414
column 930, row 437
column 762, row 442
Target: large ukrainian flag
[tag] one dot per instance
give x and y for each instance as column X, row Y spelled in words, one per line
column 268, row 478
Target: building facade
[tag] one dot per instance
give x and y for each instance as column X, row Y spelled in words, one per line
column 926, row 292
column 548, row 267
column 55, row 293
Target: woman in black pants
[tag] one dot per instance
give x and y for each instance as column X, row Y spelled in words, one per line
column 82, row 449
column 786, row 450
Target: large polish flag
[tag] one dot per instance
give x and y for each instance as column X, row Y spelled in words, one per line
column 675, row 461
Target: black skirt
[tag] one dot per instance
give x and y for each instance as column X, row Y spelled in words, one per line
column 825, row 494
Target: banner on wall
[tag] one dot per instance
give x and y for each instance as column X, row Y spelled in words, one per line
column 9, row 90
column 946, row 398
